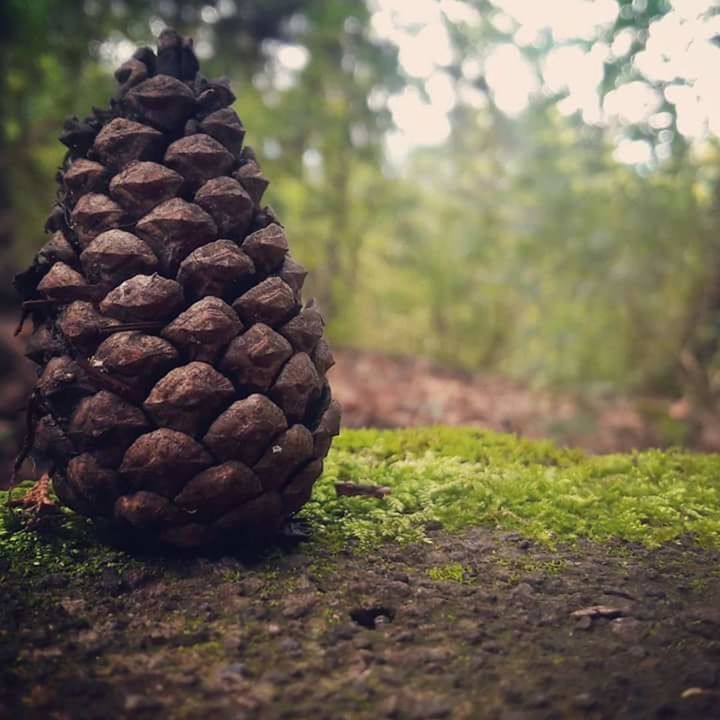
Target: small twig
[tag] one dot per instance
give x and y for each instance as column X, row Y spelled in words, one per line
column 28, row 441
column 86, row 292
column 351, row 489
column 598, row 611
column 24, row 312
column 30, row 304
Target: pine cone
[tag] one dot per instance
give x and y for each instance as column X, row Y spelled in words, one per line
column 182, row 392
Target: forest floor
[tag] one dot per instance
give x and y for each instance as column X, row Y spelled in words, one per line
column 500, row 578
column 381, row 390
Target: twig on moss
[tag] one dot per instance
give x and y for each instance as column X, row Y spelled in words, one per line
column 353, row 489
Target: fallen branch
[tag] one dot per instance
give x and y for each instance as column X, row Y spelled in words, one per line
column 351, row 489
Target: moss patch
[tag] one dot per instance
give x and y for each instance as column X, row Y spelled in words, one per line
column 454, row 572
column 69, row 547
column 461, row 477
column 455, row 477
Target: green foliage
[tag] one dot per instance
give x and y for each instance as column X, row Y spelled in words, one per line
column 539, row 255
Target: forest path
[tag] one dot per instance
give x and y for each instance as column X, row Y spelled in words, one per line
column 477, row 624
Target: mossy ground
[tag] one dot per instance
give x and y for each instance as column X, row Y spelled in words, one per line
column 452, row 478
column 471, row 565
column 461, row 477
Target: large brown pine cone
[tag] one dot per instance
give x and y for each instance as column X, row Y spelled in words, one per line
column 182, row 392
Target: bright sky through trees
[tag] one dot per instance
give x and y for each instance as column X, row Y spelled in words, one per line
column 678, row 47
column 679, row 54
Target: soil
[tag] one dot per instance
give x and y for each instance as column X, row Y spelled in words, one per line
column 482, row 624
column 381, row 390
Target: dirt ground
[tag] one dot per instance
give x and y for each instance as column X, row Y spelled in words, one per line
column 478, row 625
column 380, row 390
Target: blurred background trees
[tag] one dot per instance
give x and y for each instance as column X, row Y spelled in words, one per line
column 490, row 183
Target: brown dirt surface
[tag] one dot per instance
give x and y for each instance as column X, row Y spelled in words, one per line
column 380, row 390
column 477, row 625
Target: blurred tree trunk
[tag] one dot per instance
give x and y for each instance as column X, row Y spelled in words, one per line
column 702, row 331
column 332, row 269
column 5, row 196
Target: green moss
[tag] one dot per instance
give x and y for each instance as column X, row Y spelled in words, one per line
column 519, row 567
column 471, row 444
column 455, row 572
column 209, row 650
column 460, row 477
column 69, row 547
column 457, row 477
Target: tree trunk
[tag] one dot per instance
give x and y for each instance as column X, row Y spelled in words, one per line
column 5, row 198
column 339, row 186
column 702, row 332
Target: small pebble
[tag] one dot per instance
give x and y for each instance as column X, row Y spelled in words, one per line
column 585, row 701
column 138, row 703
column 584, row 623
